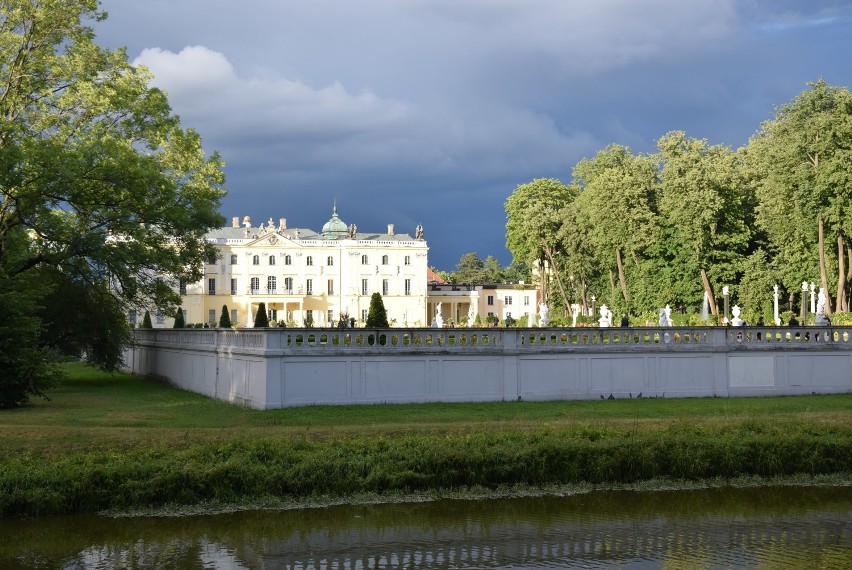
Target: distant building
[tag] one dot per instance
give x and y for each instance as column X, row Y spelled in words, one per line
column 460, row 303
column 302, row 275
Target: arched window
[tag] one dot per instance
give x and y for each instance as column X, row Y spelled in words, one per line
column 365, row 260
column 271, row 260
column 233, row 259
column 255, row 260
column 309, row 260
column 384, row 260
column 271, row 282
column 330, row 261
column 288, row 260
column 408, row 260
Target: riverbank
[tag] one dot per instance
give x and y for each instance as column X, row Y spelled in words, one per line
column 120, row 443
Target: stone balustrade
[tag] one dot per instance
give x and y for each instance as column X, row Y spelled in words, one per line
column 276, row 367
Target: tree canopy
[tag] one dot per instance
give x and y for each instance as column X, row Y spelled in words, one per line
column 643, row 231
column 99, row 183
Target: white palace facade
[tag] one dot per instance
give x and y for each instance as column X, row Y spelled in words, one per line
column 304, row 276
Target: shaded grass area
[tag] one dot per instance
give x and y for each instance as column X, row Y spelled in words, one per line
column 113, row 441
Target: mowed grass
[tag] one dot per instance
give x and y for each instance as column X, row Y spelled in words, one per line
column 93, row 409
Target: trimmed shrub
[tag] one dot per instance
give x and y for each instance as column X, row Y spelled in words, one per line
column 261, row 319
column 179, row 322
column 377, row 317
column 146, row 321
column 225, row 318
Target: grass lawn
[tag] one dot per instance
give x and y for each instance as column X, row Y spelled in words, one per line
column 118, row 442
column 93, row 409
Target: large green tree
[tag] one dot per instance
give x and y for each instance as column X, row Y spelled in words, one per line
column 702, row 209
column 535, row 214
column 802, row 160
column 617, row 210
column 98, row 180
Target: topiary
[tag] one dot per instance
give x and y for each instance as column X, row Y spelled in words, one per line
column 146, row 321
column 224, row 318
column 179, row 322
column 377, row 317
column 261, row 319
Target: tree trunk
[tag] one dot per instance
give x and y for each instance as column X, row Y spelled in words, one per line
column 583, row 295
column 612, row 288
column 709, row 290
column 621, row 279
column 555, row 270
column 840, row 302
column 822, row 273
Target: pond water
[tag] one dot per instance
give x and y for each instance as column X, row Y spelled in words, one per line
column 765, row 527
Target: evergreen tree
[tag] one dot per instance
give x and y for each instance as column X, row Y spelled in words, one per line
column 224, row 318
column 261, row 319
column 146, row 321
column 377, row 317
column 179, row 322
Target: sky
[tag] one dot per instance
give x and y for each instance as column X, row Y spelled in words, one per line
column 432, row 112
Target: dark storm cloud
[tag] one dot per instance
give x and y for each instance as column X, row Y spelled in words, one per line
column 433, row 111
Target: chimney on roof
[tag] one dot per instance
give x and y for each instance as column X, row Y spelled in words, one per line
column 235, row 222
column 282, row 223
column 247, row 221
column 390, row 229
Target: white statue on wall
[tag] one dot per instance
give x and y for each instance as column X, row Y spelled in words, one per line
column 664, row 318
column 736, row 321
column 438, row 323
column 471, row 316
column 575, row 312
column 821, row 319
column 606, row 316
column 543, row 314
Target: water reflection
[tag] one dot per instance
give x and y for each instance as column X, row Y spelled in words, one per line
column 730, row 528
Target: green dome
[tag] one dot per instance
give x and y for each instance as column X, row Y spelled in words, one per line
column 335, row 227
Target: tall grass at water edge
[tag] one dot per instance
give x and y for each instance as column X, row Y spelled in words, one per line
column 131, row 444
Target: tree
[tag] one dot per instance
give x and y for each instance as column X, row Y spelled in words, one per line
column 146, row 321
column 616, row 210
column 535, row 214
column 225, row 318
column 261, row 319
column 179, row 321
column 28, row 366
column 97, row 178
column 702, row 210
column 803, row 164
column 470, row 270
column 492, row 270
column 377, row 316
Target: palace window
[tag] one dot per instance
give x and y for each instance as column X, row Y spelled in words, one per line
column 133, row 318
column 271, row 284
column 288, row 260
column 330, row 261
column 182, row 287
column 255, row 285
column 490, row 299
column 508, row 300
column 408, row 260
column 408, row 286
column 160, row 318
column 271, row 260
column 309, row 287
column 364, row 286
column 233, row 316
column 309, row 260
column 331, row 286
column 330, row 316
column 288, row 285
column 255, row 260
column 234, row 259
column 526, row 300
column 211, row 316
column 385, row 286
column 384, row 260
column 211, row 259
column 211, row 286
column 233, row 286
column 365, row 260
column 364, row 315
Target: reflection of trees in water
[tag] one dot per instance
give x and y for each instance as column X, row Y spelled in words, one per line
column 594, row 527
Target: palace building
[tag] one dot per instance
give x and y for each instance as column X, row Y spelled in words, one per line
column 307, row 277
